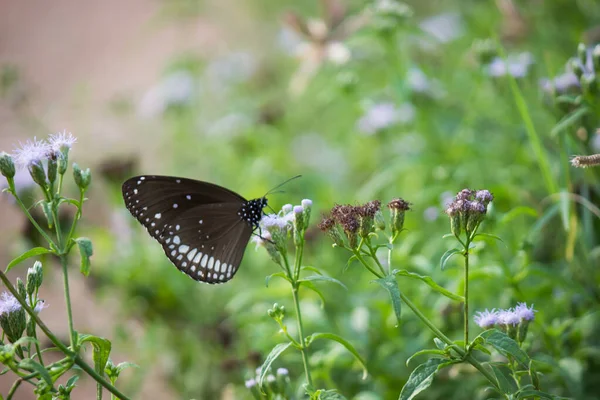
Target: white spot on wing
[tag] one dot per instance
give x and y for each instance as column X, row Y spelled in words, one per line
column 157, row 215
column 176, row 240
column 217, row 265
column 204, row 260
column 197, row 258
column 191, row 254
column 175, row 205
column 184, row 248
column 211, row 263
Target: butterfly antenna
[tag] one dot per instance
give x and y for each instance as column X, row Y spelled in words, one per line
column 281, row 184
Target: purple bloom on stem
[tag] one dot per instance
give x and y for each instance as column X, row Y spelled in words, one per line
column 524, row 313
column 31, row 152
column 486, row 319
column 508, row 317
column 250, row 383
column 61, row 141
column 8, row 303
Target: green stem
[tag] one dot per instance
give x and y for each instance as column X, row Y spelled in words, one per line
column 374, row 257
column 27, row 214
column 440, row 335
column 63, row 262
column 298, row 260
column 77, row 215
column 76, row 359
column 303, row 349
column 362, row 260
column 14, row 388
column 466, row 296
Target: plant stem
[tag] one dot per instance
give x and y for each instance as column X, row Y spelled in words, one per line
column 466, row 296
column 14, row 388
column 28, row 215
column 304, row 350
column 76, row 359
column 362, row 260
column 63, row 262
column 440, row 335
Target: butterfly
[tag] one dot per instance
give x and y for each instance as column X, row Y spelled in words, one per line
column 203, row 228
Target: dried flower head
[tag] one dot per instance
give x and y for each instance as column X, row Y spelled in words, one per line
column 586, row 161
column 468, row 210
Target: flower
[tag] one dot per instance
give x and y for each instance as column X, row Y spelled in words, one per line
column 8, row 303
column 271, row 378
column 525, row 313
column 31, row 152
column 516, row 65
column 486, row 319
column 306, row 203
column 250, row 383
column 508, row 317
column 61, row 141
column 261, row 239
column 282, row 371
column 383, row 115
column 468, row 210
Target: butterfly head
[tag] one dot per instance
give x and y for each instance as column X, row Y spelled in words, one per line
column 251, row 211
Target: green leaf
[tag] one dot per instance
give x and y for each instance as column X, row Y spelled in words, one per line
column 72, row 380
column 101, row 352
column 489, row 236
column 350, row 260
column 505, row 345
column 428, row 280
column 86, row 251
column 390, row 284
column 343, row 342
column 517, row 212
column 524, row 394
column 277, row 274
column 276, row 352
column 312, row 287
column 569, row 120
column 36, row 251
column 505, row 380
column 322, row 278
column 33, row 366
column 446, row 256
column 124, row 365
column 421, row 378
column 329, row 395
column 310, row 268
column 426, row 351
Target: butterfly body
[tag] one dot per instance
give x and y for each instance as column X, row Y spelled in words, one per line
column 203, row 228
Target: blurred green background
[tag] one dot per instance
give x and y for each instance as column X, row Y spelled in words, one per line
column 364, row 108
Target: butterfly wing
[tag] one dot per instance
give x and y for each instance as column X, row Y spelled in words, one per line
column 197, row 223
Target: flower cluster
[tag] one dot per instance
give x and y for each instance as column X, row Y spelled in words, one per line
column 468, row 210
column 514, row 321
column 580, row 75
column 346, row 224
column 34, row 154
column 274, row 229
column 13, row 318
column 274, row 386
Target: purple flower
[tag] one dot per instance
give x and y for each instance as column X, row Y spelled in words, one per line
column 61, row 141
column 484, row 196
column 306, row 203
column 508, row 317
column 31, row 152
column 486, row 319
column 282, row 371
column 298, row 209
column 8, row 303
column 287, row 208
column 525, row 313
column 250, row 383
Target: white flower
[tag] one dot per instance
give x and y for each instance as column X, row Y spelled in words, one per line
column 384, row 115
column 40, row 305
column 282, row 371
column 31, row 152
column 516, row 65
column 287, row 208
column 8, row 303
column 270, row 221
column 443, row 27
column 250, row 383
column 61, row 141
column 261, row 238
column 306, row 203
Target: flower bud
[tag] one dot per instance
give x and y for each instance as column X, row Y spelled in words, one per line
column 596, row 58
column 52, row 167
column 36, row 170
column 13, row 318
column 589, row 84
column 62, row 162
column 397, row 207
column 287, row 208
column 35, row 277
column 582, row 53
column 379, row 220
column 82, row 178
column 7, row 166
column 576, row 66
